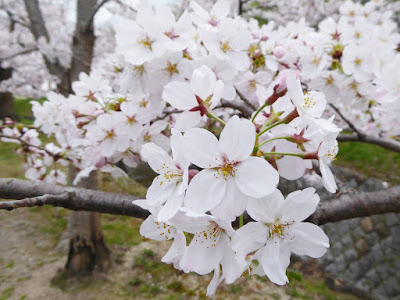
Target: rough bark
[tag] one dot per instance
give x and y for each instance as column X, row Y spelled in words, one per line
column 345, row 207
column 87, row 248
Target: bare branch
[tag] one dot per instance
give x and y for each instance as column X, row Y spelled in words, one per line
column 35, row 201
column 344, row 207
column 38, row 26
column 386, row 143
column 360, row 205
column 78, row 198
column 245, row 110
column 22, row 52
column 247, row 101
column 90, row 19
column 351, row 125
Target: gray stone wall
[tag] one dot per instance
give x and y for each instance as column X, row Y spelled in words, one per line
column 364, row 252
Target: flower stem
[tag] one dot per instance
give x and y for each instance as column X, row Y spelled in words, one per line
column 258, row 111
column 212, row 116
column 282, row 153
column 270, row 127
column 273, row 139
column 241, row 221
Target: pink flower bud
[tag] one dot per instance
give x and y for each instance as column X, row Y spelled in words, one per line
column 279, row 52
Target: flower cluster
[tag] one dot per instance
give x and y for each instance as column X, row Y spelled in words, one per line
column 221, row 108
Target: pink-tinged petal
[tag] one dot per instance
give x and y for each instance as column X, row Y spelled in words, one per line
column 171, row 207
column 205, row 191
column 308, row 239
column 291, row 167
column 160, row 190
column 271, row 260
column 299, row 205
column 177, row 248
column 204, row 254
column 256, row 178
column 179, row 95
column 327, row 177
column 233, row 203
column 203, row 82
column 249, row 238
column 156, row 157
column 237, row 139
column 201, row 148
column 152, row 229
column 266, row 209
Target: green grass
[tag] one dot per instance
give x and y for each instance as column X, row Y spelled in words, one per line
column 7, row 293
column 370, row 160
column 122, row 231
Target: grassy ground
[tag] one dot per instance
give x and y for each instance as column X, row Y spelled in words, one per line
column 138, row 272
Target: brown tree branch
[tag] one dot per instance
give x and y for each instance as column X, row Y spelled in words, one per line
column 244, row 109
column 386, row 143
column 22, row 52
column 350, row 206
column 342, row 208
column 351, row 125
column 79, row 199
column 90, row 19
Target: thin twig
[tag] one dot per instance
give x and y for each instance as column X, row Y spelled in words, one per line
column 351, row 125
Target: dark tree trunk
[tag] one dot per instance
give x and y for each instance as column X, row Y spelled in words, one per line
column 6, row 98
column 7, row 106
column 87, row 248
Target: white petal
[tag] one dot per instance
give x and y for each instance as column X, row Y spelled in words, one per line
column 266, row 209
column 203, row 82
column 156, row 157
column 201, row 148
column 327, row 177
column 203, row 255
column 233, row 203
column 152, row 229
column 270, row 259
column 214, row 283
column 179, row 95
column 294, row 88
column 299, row 205
column 249, row 238
column 205, row 191
column 177, row 248
column 187, row 120
column 237, row 139
column 308, row 239
column 160, row 190
column 255, row 177
column 171, row 207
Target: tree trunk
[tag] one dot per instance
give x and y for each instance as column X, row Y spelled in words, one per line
column 6, row 98
column 87, row 248
column 7, row 106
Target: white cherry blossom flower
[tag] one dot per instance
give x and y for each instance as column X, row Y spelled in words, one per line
column 229, row 172
column 279, row 230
